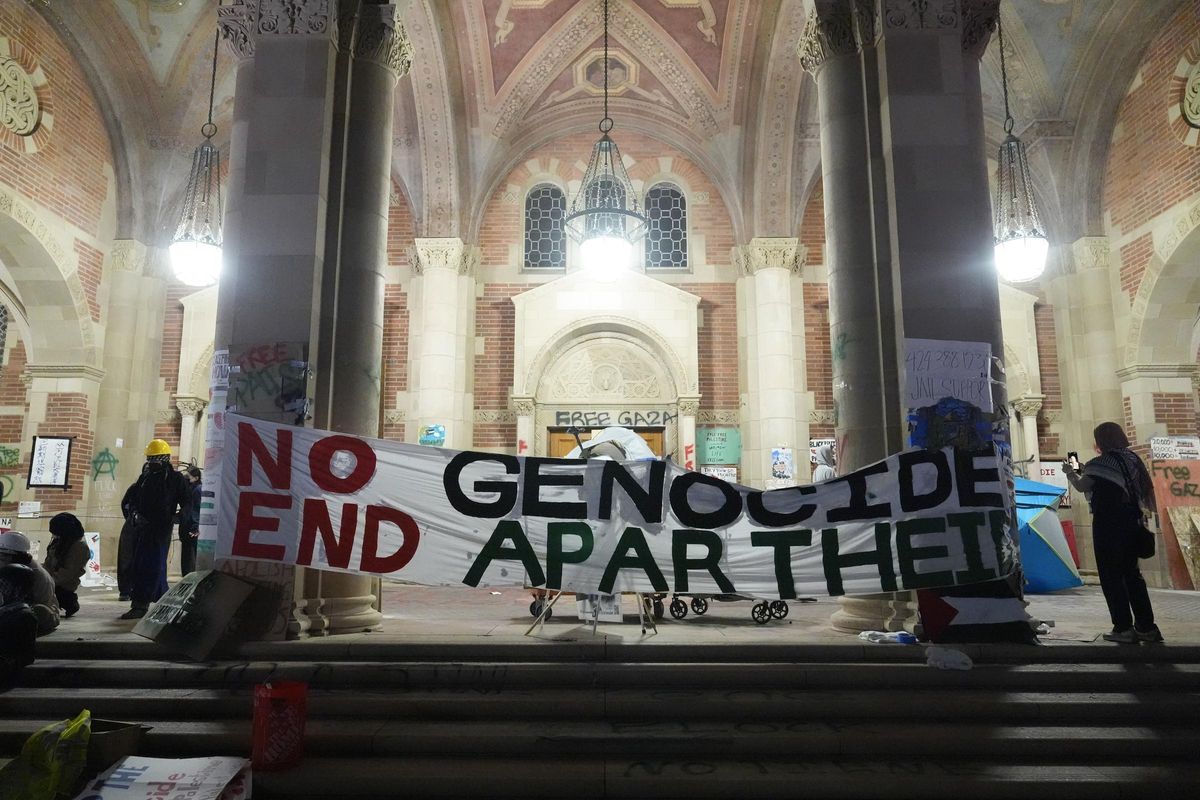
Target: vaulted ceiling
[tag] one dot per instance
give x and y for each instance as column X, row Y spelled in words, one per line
column 494, row 79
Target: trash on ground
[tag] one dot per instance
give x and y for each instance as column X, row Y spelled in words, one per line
column 947, row 658
column 888, row 637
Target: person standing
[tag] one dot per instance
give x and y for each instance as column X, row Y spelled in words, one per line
column 151, row 504
column 189, row 523
column 66, row 560
column 1118, row 487
column 824, row 461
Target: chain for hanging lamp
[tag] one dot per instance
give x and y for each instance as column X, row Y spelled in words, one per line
column 605, row 215
column 1020, row 238
column 196, row 247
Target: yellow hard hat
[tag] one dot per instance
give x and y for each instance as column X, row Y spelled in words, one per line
column 158, row 447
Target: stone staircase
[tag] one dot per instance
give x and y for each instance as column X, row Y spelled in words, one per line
column 594, row 719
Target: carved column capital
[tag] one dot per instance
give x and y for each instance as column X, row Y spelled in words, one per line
column 236, row 23
column 1090, row 252
column 523, row 406
column 242, row 22
column 834, row 28
column 190, row 406
column 784, row 252
column 382, row 39
column 443, row 253
column 975, row 19
column 1029, row 405
column 128, row 255
column 689, row 406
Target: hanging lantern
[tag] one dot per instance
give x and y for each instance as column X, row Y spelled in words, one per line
column 604, row 216
column 1020, row 238
column 196, row 247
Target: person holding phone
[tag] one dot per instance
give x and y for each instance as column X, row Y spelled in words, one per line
column 1117, row 486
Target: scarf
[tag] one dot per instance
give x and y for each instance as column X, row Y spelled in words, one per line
column 1126, row 470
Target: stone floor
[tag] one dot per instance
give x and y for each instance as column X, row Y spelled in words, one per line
column 424, row 614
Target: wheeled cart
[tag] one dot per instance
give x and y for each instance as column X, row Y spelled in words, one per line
column 762, row 612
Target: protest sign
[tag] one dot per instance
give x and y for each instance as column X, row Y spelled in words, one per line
column 936, row 369
column 299, row 496
column 137, row 778
column 1177, row 485
column 1180, row 448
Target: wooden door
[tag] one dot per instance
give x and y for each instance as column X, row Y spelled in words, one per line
column 559, row 442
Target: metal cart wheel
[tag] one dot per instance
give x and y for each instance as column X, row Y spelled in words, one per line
column 700, row 606
column 761, row 613
column 678, row 608
column 658, row 609
column 535, row 609
column 779, row 609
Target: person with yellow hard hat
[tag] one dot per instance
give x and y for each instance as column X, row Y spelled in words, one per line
column 150, row 506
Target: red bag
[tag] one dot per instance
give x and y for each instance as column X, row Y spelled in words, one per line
column 280, row 711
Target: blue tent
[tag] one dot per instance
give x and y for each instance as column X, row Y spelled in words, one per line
column 1045, row 555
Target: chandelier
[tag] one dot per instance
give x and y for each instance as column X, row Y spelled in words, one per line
column 604, row 216
column 1020, row 237
column 196, row 247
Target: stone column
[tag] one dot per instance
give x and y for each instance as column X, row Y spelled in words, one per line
column 771, row 263
column 1028, row 407
column 381, row 55
column 190, row 409
column 689, row 407
column 124, row 412
column 276, row 211
column 524, row 408
column 838, row 48
column 441, row 341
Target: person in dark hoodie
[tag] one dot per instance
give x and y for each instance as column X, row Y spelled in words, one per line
column 150, row 505
column 1117, row 485
column 66, row 560
column 189, row 523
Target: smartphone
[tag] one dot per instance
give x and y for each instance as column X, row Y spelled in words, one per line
column 1073, row 457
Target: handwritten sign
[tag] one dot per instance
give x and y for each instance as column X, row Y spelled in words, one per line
column 50, row 462
column 719, row 446
column 1051, row 472
column 1181, row 448
column 727, row 474
column 1177, row 485
column 937, row 369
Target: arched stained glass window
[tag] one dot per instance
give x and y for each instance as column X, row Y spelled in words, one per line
column 666, row 228
column 545, row 239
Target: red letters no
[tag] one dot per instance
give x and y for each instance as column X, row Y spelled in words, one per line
column 320, row 458
column 251, row 446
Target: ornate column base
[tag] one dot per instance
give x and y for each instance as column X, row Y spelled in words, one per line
column 339, row 603
column 875, row 612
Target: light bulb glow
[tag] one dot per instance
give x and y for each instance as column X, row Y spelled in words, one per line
column 195, row 263
column 606, row 256
column 1022, row 259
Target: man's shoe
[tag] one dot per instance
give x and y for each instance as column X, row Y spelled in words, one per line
column 1127, row 636
column 134, row 613
column 1151, row 635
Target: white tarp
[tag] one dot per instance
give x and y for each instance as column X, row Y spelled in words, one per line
column 443, row 517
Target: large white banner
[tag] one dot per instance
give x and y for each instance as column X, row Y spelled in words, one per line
column 441, row 517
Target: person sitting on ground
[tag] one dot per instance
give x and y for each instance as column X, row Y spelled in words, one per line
column 66, row 560
column 18, row 623
column 14, row 549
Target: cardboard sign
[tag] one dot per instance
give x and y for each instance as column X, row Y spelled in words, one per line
column 935, row 369
column 193, row 616
column 1176, row 485
column 137, row 778
column 300, row 496
column 727, row 474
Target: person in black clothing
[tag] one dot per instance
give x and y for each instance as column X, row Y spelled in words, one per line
column 1118, row 487
column 189, row 523
column 150, row 506
column 18, row 623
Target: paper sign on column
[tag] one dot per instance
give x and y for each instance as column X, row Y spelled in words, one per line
column 936, row 369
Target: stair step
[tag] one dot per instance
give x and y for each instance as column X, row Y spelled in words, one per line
column 494, row 675
column 670, row 778
column 652, row 705
column 665, row 740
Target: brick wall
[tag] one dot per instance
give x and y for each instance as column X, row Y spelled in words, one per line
column 91, row 270
column 1149, row 169
column 1047, row 348
column 1135, row 256
column 67, row 414
column 716, row 341
column 401, row 227
column 495, row 321
column 395, row 353
column 168, row 370
column 1177, row 410
column 503, row 220
column 67, row 175
column 819, row 355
